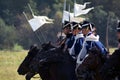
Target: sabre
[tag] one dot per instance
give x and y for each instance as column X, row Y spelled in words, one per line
column 31, row 10
column 107, row 30
column 64, row 8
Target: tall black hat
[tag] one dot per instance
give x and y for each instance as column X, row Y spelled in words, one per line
column 76, row 25
column 87, row 24
column 66, row 24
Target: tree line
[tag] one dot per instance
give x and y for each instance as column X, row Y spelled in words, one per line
column 14, row 28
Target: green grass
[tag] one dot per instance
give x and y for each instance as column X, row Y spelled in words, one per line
column 10, row 61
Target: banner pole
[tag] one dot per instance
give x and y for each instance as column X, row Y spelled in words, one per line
column 33, row 31
column 31, row 10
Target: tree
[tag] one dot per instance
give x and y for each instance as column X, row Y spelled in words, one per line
column 15, row 29
column 7, row 35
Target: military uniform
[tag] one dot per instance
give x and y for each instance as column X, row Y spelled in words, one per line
column 90, row 42
column 77, row 46
column 118, row 30
column 79, row 43
column 69, row 40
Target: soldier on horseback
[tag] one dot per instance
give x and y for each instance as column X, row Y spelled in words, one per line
column 74, row 39
column 118, row 34
column 79, row 38
column 67, row 41
column 90, row 42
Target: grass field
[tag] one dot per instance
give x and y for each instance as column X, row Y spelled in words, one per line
column 9, row 62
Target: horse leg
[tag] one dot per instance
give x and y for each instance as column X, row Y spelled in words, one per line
column 29, row 75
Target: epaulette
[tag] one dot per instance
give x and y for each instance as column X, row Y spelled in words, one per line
column 92, row 38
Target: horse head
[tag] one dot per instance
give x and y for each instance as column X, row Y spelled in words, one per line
column 24, row 66
column 92, row 62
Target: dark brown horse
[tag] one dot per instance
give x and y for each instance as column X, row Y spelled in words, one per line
column 60, row 64
column 50, row 63
column 24, row 68
column 89, row 69
column 95, row 67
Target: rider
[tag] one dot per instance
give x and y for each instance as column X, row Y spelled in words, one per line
column 70, row 37
column 68, row 40
column 79, row 38
column 90, row 42
column 118, row 34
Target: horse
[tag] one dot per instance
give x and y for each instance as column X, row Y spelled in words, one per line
column 111, row 69
column 50, row 63
column 60, row 64
column 89, row 68
column 24, row 68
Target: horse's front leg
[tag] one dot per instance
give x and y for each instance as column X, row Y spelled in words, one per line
column 29, row 75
